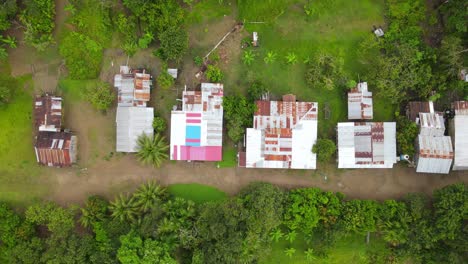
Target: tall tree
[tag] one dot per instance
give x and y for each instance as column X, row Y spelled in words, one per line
column 124, row 208
column 148, row 195
column 152, row 150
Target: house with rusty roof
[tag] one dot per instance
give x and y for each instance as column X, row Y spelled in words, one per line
column 55, row 149
column 360, row 105
column 366, row 145
column 460, row 135
column 197, row 128
column 282, row 135
column 52, row 146
column 48, row 113
column 133, row 87
column 415, row 107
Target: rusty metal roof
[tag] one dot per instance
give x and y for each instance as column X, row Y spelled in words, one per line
column 461, row 107
column 134, row 87
column 414, row 108
column 360, row 104
column 48, row 113
column 57, row 149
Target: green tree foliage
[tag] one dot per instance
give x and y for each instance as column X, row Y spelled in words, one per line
column 124, row 208
column 8, row 10
column 270, row 57
column 248, row 57
column 214, row 74
column 407, row 131
column 325, row 71
column 393, row 222
column 165, row 80
column 38, row 18
column 134, row 250
column 360, row 216
column 159, row 124
column 82, row 55
column 455, row 15
column 324, row 148
column 149, row 195
column 152, row 150
column 238, row 113
column 256, row 90
column 95, row 210
column 9, row 222
column 59, row 221
column 7, row 88
column 173, row 43
column 100, row 95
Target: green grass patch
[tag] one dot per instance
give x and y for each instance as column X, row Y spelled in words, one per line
column 74, row 89
column 197, row 192
column 229, row 157
column 209, row 10
column 262, row 10
column 352, row 249
column 338, row 29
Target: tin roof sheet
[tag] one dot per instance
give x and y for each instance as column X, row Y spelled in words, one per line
column 48, row 113
column 461, row 142
column 461, row 107
column 435, row 154
column 133, row 87
column 56, row 149
column 360, row 104
column 132, row 122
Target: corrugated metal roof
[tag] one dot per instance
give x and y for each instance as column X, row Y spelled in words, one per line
column 431, row 124
column 435, row 154
column 197, row 130
column 461, row 142
column 55, row 149
column 360, row 104
column 414, row 108
column 48, row 113
column 283, row 134
column 132, row 122
column 134, row 87
column 366, row 144
column 461, row 107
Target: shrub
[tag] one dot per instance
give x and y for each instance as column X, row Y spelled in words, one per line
column 214, row 74
column 174, row 43
column 7, row 87
column 256, row 90
column 325, row 71
column 198, row 61
column 100, row 95
column 165, row 80
column 82, row 55
column 38, row 18
column 324, row 148
column 159, row 124
column 407, row 131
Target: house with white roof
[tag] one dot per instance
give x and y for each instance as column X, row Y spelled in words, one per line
column 460, row 135
column 133, row 87
column 360, row 105
column 197, row 128
column 282, row 136
column 366, row 145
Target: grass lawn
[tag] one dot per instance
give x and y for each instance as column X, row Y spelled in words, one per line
column 18, row 168
column 352, row 249
column 229, row 157
column 337, row 28
column 197, row 192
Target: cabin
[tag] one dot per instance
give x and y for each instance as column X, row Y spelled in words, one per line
column 282, row 135
column 360, row 105
column 366, row 145
column 55, row 149
column 48, row 113
column 434, row 154
column 197, row 128
column 133, row 87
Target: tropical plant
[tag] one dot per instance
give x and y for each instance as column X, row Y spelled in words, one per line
column 256, row 90
column 100, row 95
column 144, row 41
column 270, row 57
column 124, row 208
column 159, row 124
column 148, row 195
column 214, row 74
column 291, row 58
column 290, row 252
column 173, row 43
column 152, row 150
column 95, row 209
column 165, row 80
column 291, row 236
column 324, row 148
column 310, row 254
column 276, row 234
column 248, row 57
column 198, row 61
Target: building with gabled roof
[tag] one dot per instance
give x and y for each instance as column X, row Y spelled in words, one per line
column 132, row 122
column 434, row 154
column 55, row 149
column 366, row 145
column 133, row 87
column 197, row 129
column 48, row 113
column 360, row 105
column 282, row 136
column 460, row 135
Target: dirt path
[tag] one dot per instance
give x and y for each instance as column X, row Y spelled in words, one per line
column 124, row 173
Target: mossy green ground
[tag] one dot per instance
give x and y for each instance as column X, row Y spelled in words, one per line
column 197, row 192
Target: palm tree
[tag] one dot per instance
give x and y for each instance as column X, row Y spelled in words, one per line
column 152, row 150
column 270, row 57
column 309, row 254
column 124, row 208
column 248, row 57
column 291, row 58
column 148, row 195
column 290, row 252
column 10, row 41
column 276, row 235
column 95, row 209
column 291, row 236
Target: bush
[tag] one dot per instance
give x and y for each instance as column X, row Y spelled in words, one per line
column 326, row 71
column 407, row 131
column 159, row 124
column 100, row 95
column 214, row 74
column 256, row 90
column 38, row 18
column 165, row 80
column 7, row 87
column 198, row 61
column 174, row 44
column 82, row 55
column 324, row 148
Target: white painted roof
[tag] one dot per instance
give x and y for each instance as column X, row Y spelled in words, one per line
column 435, row 154
column 360, row 104
column 132, row 122
column 461, row 142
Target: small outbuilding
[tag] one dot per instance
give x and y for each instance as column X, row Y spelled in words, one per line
column 360, row 105
column 132, row 122
column 434, row 154
column 56, row 149
column 133, row 87
column 48, row 113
